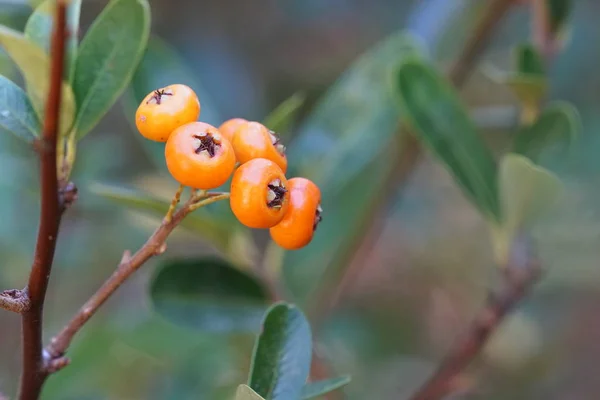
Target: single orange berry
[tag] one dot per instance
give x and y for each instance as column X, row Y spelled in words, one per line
column 199, row 156
column 166, row 109
column 297, row 227
column 259, row 194
column 229, row 127
column 253, row 140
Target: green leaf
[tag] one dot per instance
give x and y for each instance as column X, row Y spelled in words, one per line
column 40, row 24
column 245, row 392
column 200, row 221
column 315, row 389
column 356, row 119
column 34, row 65
column 17, row 115
column 208, row 294
column 282, row 354
column 107, row 59
column 347, row 146
column 558, row 123
column 160, row 66
column 529, row 61
column 560, row 11
column 441, row 122
column 527, row 191
column 284, row 115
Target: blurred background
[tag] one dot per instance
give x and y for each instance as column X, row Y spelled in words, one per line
column 428, row 272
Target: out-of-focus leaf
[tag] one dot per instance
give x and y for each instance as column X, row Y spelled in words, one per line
column 559, row 122
column 560, row 11
column 208, row 294
column 527, row 191
column 315, row 389
column 17, row 115
column 34, row 64
column 282, row 354
column 245, row 392
column 107, row 59
column 40, row 24
column 529, row 61
column 161, row 66
column 346, row 147
column 354, row 121
column 284, row 115
column 200, row 221
column 441, row 122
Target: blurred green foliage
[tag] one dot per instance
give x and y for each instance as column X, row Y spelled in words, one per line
column 429, row 270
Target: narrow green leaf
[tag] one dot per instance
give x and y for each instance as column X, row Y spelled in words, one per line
column 107, row 59
column 17, row 115
column 245, row 392
column 315, row 389
column 527, row 191
column 529, row 61
column 40, row 24
column 284, row 115
column 558, row 123
column 34, row 65
column 441, row 122
column 208, row 294
column 282, row 354
column 345, row 146
column 199, row 221
column 355, row 120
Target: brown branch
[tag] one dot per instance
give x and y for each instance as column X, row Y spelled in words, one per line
column 516, row 286
column 33, row 375
column 405, row 164
column 541, row 33
column 155, row 245
column 14, row 300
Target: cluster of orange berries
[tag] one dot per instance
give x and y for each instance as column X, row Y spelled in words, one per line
column 203, row 157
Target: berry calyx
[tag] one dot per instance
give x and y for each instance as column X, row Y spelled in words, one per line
column 304, row 213
column 259, row 194
column 164, row 110
column 198, row 156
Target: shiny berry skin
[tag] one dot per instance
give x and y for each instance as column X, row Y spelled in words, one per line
column 259, row 195
column 254, row 140
column 199, row 156
column 296, row 229
column 229, row 127
column 166, row 109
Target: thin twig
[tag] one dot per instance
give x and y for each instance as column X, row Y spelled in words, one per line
column 155, row 245
column 33, row 374
column 405, row 164
column 540, row 29
column 516, row 286
column 14, row 300
column 174, row 203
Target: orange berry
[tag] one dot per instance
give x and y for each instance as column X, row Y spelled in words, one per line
column 199, row 156
column 166, row 109
column 229, row 127
column 297, row 227
column 259, row 195
column 253, row 140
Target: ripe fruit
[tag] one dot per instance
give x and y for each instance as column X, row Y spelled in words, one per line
column 259, row 195
column 199, row 156
column 296, row 229
column 166, row 109
column 253, row 140
column 229, row 127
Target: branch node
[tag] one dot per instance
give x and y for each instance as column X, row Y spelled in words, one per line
column 14, row 300
column 161, row 249
column 54, row 364
column 67, row 195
